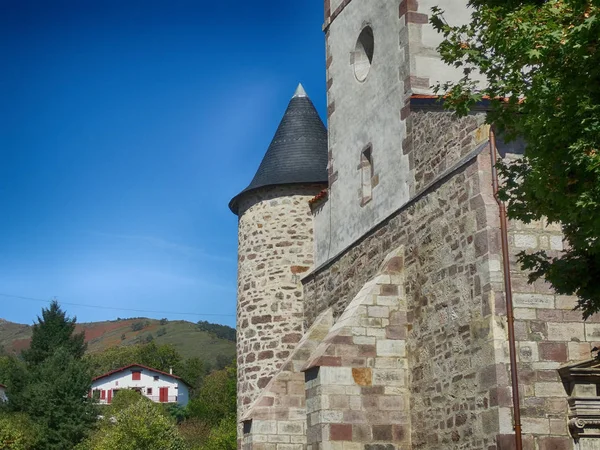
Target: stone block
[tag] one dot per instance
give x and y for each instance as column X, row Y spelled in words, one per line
column 528, row 351
column 284, row 427
column 382, row 432
column 264, row 427
column 388, row 377
column 566, row 301
column 533, row 301
column 578, row 351
column 387, row 300
column 290, row 446
column 556, row 243
column 329, row 416
column 378, row 311
column 555, row 443
column 391, row 347
column 362, row 376
column 566, row 332
column 550, row 390
column 533, row 425
column 592, row 331
column 340, row 432
column 525, row 313
column 553, row 351
column 336, row 376
column 522, row 240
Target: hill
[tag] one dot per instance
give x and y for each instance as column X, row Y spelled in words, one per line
column 190, row 339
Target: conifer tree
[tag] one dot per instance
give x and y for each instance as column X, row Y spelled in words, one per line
column 50, row 385
column 52, row 331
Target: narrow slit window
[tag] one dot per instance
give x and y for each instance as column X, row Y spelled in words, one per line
column 366, row 170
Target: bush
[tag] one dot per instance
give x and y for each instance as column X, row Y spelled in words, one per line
column 137, row 326
column 142, row 425
column 161, row 332
column 164, row 321
column 17, row 432
column 223, row 437
column 194, row 432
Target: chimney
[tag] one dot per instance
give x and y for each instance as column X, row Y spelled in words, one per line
column 171, row 370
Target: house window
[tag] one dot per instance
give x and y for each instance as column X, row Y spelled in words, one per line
column 136, row 375
column 366, row 174
column 155, row 377
column 96, row 394
column 149, row 391
column 102, row 394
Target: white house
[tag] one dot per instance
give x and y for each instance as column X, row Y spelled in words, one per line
column 2, row 393
column 158, row 386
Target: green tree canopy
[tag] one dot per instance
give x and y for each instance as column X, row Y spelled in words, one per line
column 541, row 61
column 53, row 395
column 142, row 425
column 52, row 331
column 18, row 432
column 216, row 399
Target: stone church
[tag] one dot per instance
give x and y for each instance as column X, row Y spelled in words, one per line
column 371, row 298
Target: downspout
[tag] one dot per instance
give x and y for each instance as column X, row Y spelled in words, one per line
column 508, row 292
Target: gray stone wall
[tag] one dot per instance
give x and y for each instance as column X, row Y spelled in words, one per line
column 275, row 248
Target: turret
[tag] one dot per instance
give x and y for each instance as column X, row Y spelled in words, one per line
column 275, row 245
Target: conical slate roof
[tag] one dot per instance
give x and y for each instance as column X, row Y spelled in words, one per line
column 298, row 151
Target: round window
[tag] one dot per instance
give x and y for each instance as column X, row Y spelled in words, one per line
column 363, row 53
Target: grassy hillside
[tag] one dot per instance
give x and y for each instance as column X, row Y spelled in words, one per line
column 186, row 337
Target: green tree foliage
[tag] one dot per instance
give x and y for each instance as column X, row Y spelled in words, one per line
column 51, row 382
column 53, row 330
column 216, row 399
column 142, row 425
column 138, row 326
column 541, row 60
column 220, row 331
column 194, row 432
column 222, row 437
column 123, row 399
column 52, row 394
column 193, row 371
column 18, row 432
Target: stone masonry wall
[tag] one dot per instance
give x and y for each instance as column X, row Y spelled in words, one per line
column 277, row 418
column 275, row 249
column 356, row 381
column 453, row 332
column 548, row 333
column 337, row 282
column 457, row 341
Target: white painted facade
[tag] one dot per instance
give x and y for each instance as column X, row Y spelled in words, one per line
column 158, row 386
column 2, row 393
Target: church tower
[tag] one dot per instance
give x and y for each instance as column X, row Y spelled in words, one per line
column 275, row 245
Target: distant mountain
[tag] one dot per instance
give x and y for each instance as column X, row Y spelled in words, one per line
column 204, row 340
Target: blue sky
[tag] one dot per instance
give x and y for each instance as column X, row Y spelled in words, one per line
column 125, row 128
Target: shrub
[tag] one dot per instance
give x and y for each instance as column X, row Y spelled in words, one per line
column 138, row 326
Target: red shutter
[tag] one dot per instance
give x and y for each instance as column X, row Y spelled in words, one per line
column 136, row 375
column 102, row 394
column 109, row 396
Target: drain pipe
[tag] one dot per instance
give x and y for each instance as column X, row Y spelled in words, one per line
column 508, row 292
